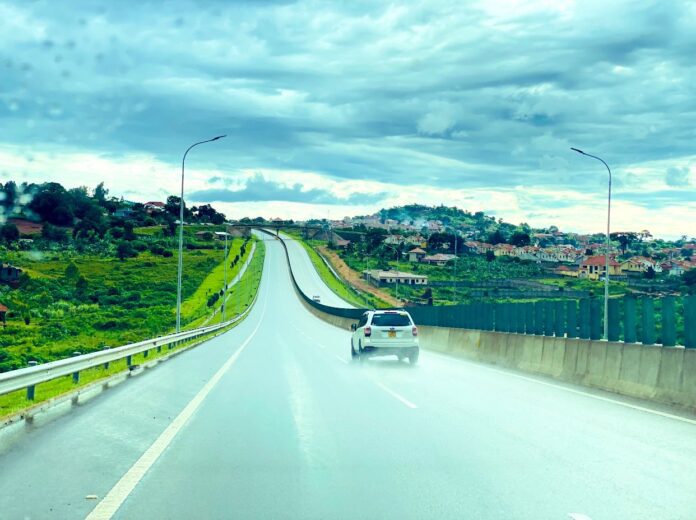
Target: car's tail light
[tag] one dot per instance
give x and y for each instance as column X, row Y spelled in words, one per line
column 415, row 330
column 368, row 331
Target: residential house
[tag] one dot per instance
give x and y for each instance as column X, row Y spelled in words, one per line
column 380, row 278
column 438, row 259
column 124, row 213
column 435, row 226
column 564, row 270
column 594, row 267
column 154, row 206
column 9, row 274
column 676, row 268
column 640, row 264
column 394, row 240
column 416, row 254
column 503, row 250
column 416, row 240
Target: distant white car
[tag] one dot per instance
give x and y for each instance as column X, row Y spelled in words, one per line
column 385, row 333
column 316, row 298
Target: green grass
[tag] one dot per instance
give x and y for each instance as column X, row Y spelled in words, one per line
column 240, row 295
column 149, row 231
column 123, row 302
column 196, row 305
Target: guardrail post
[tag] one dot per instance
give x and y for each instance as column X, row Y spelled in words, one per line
column 690, row 321
column 519, row 312
column 539, row 318
column 629, row 319
column 584, row 321
column 76, row 375
column 595, row 319
column 572, row 319
column 500, row 317
column 529, row 318
column 106, row 365
column 559, row 315
column 669, row 322
column 129, row 361
column 31, row 389
column 146, row 353
column 548, row 318
column 648, row 321
column 614, row 314
column 159, row 347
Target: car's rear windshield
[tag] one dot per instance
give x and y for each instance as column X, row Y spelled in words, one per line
column 390, row 320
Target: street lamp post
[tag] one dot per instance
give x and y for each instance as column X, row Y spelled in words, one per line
column 181, row 232
column 224, row 293
column 608, row 245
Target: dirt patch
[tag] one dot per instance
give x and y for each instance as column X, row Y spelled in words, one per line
column 354, row 278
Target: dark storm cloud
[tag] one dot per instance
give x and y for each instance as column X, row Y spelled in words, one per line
column 360, row 90
column 259, row 189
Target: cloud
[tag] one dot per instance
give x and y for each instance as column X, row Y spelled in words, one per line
column 357, row 92
column 677, row 177
column 258, row 189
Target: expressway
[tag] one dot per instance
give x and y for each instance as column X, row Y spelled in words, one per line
column 272, row 420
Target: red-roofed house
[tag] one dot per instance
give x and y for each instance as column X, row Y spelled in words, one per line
column 594, row 267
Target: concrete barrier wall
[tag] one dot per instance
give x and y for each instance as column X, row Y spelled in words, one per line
column 662, row 374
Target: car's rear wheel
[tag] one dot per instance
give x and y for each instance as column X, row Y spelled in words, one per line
column 353, row 354
column 413, row 357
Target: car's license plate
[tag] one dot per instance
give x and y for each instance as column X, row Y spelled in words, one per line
column 392, row 333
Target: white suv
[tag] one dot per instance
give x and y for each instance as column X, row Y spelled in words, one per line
column 385, row 333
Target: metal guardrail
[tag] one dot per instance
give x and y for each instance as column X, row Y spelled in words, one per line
column 31, row 376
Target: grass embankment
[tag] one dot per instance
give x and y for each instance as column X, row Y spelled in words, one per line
column 81, row 302
column 15, row 402
column 338, row 286
column 195, row 306
column 243, row 292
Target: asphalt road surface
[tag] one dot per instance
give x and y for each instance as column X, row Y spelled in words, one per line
column 272, row 420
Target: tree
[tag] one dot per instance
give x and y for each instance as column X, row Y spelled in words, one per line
column 100, row 193
column 72, row 273
column 81, row 287
column 9, row 232
column 490, row 256
column 520, row 239
column 650, row 273
column 125, row 250
column 625, row 239
column 689, row 277
column 496, row 238
column 54, row 233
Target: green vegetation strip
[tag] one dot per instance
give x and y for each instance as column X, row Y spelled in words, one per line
column 337, row 286
column 15, row 403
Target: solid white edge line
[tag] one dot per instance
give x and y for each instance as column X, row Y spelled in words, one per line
column 396, row 396
column 113, row 500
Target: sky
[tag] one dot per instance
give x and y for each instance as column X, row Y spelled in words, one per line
column 340, row 108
